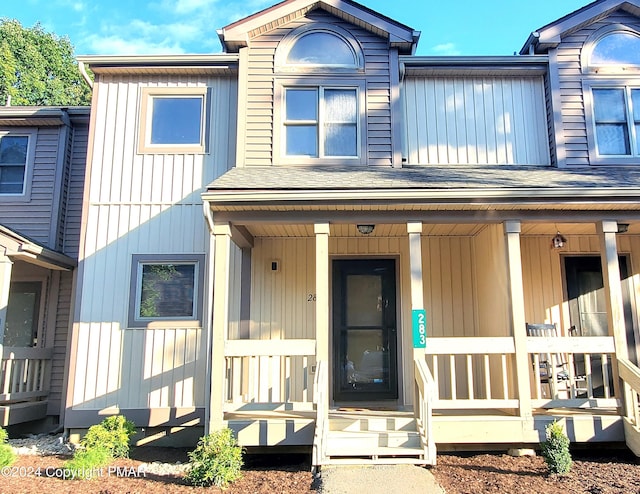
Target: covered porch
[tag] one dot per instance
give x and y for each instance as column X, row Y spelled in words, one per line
column 478, row 272
column 30, row 301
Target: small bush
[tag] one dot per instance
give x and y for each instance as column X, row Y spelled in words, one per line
column 85, row 463
column 112, row 434
column 7, row 456
column 555, row 449
column 217, row 460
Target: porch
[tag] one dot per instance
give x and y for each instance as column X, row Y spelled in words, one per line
column 477, row 381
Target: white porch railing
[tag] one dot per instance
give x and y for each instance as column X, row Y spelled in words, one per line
column 425, row 387
column 270, row 372
column 630, row 374
column 472, row 373
column 573, row 372
column 24, row 374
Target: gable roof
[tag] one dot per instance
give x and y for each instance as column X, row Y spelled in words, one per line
column 238, row 34
column 551, row 35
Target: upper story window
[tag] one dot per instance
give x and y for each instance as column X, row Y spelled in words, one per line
column 172, row 120
column 321, row 122
column 14, row 160
column 319, row 48
column 616, row 115
column 612, row 49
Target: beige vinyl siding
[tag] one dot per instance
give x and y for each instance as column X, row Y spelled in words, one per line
column 492, row 282
column 259, row 117
column 280, row 308
column 143, row 204
column 33, row 218
column 475, row 120
column 570, row 77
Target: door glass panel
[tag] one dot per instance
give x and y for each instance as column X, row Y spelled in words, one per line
column 21, row 328
column 364, row 300
column 367, row 361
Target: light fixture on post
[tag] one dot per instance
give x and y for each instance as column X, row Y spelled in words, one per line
column 366, row 229
column 558, row 241
column 623, row 227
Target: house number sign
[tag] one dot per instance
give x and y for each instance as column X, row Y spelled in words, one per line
column 419, row 328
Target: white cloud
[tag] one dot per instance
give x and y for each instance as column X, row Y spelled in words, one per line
column 116, row 45
column 189, row 6
column 446, row 49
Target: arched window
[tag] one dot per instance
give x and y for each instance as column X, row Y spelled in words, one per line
column 319, row 48
column 614, row 49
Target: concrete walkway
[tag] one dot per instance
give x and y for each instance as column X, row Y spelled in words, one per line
column 378, row 479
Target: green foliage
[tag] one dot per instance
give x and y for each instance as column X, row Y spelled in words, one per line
column 38, row 68
column 86, row 463
column 555, row 449
column 7, row 456
column 217, row 460
column 112, row 434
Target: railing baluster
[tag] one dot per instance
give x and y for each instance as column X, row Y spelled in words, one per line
column 505, row 377
column 605, row 375
column 470, row 377
column 589, row 374
column 487, row 377
column 452, row 376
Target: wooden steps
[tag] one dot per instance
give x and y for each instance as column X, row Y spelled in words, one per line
column 373, row 437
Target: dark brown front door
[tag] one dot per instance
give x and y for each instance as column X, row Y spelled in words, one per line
column 364, row 330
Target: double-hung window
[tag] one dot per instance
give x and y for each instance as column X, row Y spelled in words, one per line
column 321, row 122
column 14, row 153
column 616, row 117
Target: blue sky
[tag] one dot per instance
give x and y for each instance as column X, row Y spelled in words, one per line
column 116, row 27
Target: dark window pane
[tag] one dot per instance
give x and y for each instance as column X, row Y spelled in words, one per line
column 176, row 120
column 11, row 179
column 302, row 104
column 13, row 149
column 167, row 290
column 302, row 140
column 21, row 328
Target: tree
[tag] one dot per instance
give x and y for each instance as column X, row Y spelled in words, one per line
column 38, row 68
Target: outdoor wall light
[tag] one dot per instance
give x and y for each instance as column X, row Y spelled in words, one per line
column 623, row 227
column 366, row 229
column 558, row 241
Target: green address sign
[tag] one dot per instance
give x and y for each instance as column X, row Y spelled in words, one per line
column 419, row 317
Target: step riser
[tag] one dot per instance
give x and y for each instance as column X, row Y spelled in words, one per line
column 346, row 441
column 372, row 424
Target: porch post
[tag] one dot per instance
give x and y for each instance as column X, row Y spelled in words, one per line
column 613, row 295
column 512, row 230
column 322, row 291
column 414, row 229
column 6, row 265
column 221, row 258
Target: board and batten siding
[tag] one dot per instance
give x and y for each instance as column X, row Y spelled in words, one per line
column 259, row 105
column 569, row 70
column 142, row 204
column 33, row 218
column 475, row 120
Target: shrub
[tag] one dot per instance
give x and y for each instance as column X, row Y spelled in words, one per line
column 7, row 456
column 112, row 434
column 217, row 460
column 555, row 449
column 85, row 462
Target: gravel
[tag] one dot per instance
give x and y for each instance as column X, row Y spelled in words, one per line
column 57, row 445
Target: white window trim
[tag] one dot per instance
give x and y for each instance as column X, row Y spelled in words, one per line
column 607, row 83
column 279, row 153
column 590, row 44
column 30, row 162
column 146, row 114
column 284, row 47
column 138, row 261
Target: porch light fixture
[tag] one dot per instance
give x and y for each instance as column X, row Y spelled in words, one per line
column 366, row 229
column 623, row 227
column 558, row 241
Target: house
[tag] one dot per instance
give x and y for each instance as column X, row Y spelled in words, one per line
column 42, row 161
column 379, row 228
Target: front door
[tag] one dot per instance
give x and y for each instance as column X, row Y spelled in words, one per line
column 364, row 330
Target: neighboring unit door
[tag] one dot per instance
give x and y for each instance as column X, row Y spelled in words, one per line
column 588, row 307
column 364, row 330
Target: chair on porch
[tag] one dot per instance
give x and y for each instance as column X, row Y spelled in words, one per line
column 550, row 364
